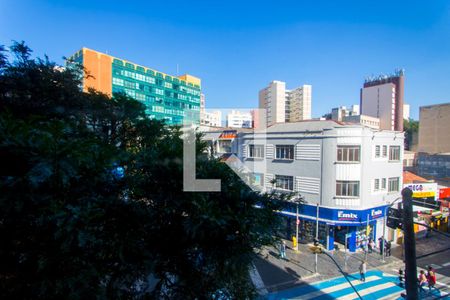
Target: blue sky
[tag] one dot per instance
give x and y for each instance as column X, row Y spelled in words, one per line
column 237, row 47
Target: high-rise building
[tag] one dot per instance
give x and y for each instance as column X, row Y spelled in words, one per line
column 299, row 103
column 382, row 97
column 238, row 119
column 175, row 99
column 434, row 136
column 284, row 105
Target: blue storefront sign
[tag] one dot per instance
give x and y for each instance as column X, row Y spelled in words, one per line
column 334, row 217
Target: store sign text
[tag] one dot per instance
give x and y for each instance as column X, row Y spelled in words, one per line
column 347, row 216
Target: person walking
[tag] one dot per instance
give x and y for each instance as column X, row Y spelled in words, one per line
column 371, row 245
column 283, row 250
column 422, row 281
column 381, row 245
column 388, row 248
column 362, row 270
column 431, row 278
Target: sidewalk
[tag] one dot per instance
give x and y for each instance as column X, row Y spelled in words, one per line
column 279, row 274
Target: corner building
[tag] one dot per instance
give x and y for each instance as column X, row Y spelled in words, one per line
column 175, row 99
column 352, row 172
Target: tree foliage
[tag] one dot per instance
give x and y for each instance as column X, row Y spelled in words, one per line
column 411, row 128
column 70, row 228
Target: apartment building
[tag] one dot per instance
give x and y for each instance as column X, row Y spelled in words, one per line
column 350, row 171
column 283, row 105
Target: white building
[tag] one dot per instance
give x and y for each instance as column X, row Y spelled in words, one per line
column 406, row 111
column 368, row 121
column 284, row 105
column 339, row 113
column 213, row 118
column 351, row 172
column 238, row 119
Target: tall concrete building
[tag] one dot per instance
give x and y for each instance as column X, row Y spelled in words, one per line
column 175, row 99
column 299, row 103
column 434, row 136
column 382, row 97
column 284, row 105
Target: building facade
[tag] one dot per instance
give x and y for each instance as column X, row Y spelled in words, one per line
column 350, row 172
column 434, row 136
column 175, row 99
column 339, row 113
column 368, row 121
column 238, row 119
column 211, row 118
column 284, row 105
column 383, row 97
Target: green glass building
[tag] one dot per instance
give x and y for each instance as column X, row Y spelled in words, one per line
column 175, row 99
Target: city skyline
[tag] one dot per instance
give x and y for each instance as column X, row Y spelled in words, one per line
column 333, row 48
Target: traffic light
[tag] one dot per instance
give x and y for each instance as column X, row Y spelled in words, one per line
column 394, row 218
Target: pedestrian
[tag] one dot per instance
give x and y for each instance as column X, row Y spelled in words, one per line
column 283, row 250
column 388, row 248
column 381, row 245
column 431, row 277
column 362, row 270
column 371, row 245
column 422, row 281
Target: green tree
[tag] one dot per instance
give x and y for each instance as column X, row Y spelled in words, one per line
column 411, row 128
column 71, row 228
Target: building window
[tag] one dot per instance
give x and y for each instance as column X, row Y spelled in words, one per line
column 394, row 153
column 383, row 183
column 347, row 188
column 285, row 152
column 377, row 151
column 348, row 153
column 284, row 182
column 256, row 151
column 393, row 184
column 377, row 184
column 384, row 151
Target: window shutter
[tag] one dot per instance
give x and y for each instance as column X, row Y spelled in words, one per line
column 269, row 151
column 307, row 185
column 307, row 151
column 267, row 180
column 244, row 151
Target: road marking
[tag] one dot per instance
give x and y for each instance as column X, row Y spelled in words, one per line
column 446, row 264
column 329, row 290
column 436, row 267
column 368, row 291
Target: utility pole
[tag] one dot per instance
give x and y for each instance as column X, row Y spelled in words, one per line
column 412, row 291
column 317, row 236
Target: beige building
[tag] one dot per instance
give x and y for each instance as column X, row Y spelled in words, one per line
column 368, row 121
column 283, row 105
column 434, row 132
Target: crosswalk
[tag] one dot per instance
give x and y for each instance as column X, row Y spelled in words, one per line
column 378, row 285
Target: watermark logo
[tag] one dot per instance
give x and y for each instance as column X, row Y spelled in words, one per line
column 238, row 145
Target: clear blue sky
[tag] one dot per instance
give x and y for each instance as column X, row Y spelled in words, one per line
column 237, row 47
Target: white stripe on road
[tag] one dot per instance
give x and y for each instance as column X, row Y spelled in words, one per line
column 446, row 264
column 331, row 289
column 369, row 290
